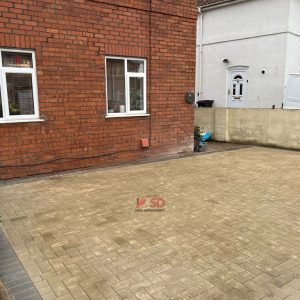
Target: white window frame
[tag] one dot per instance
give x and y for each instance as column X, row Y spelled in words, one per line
column 128, row 75
column 7, row 118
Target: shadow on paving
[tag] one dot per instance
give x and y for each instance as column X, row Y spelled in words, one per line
column 214, row 146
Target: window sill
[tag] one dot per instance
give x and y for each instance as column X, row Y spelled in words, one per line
column 126, row 116
column 21, row 121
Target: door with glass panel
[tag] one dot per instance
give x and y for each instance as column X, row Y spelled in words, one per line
column 237, row 89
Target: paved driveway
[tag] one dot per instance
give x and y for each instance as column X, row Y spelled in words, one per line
column 229, row 230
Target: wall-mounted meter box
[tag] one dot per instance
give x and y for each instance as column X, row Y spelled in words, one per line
column 190, row 97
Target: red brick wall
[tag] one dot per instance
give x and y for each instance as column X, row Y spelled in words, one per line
column 71, row 39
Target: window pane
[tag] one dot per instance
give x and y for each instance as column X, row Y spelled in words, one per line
column 15, row 59
column 20, row 95
column 238, row 77
column 241, row 89
column 116, row 86
column 136, row 93
column 135, row 66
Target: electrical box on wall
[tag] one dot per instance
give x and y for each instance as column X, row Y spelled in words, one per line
column 145, row 143
column 190, row 97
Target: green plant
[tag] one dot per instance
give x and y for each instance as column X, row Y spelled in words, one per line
column 135, row 100
column 13, row 109
column 198, row 132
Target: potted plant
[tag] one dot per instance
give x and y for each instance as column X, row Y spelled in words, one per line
column 199, row 144
column 135, row 100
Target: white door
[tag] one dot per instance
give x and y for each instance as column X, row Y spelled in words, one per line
column 292, row 100
column 237, row 90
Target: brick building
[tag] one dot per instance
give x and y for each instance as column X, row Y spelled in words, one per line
column 83, row 81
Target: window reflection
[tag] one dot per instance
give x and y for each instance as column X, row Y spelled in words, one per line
column 20, row 94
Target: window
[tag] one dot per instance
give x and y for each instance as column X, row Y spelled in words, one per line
column 125, row 86
column 241, row 89
column 238, row 86
column 238, row 77
column 18, row 86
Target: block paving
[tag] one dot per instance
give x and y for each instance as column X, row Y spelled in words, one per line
column 230, row 229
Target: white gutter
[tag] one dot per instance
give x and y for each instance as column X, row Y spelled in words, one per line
column 220, row 4
column 199, row 91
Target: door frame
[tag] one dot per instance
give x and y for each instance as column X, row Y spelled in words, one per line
column 230, row 70
column 288, row 83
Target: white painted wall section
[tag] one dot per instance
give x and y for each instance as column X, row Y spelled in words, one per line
column 246, row 19
column 294, row 19
column 263, row 35
column 262, row 53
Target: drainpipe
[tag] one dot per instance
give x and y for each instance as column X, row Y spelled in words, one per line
column 199, row 55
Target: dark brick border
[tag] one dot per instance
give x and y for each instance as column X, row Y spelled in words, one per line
column 13, row 275
column 3, row 293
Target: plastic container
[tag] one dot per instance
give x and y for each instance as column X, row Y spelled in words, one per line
column 205, row 103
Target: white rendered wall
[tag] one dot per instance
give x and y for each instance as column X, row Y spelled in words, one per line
column 253, row 34
column 293, row 54
column 294, row 20
column 264, row 53
column 246, row 19
column 293, row 43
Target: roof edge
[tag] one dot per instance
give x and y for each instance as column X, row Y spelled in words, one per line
column 219, row 3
